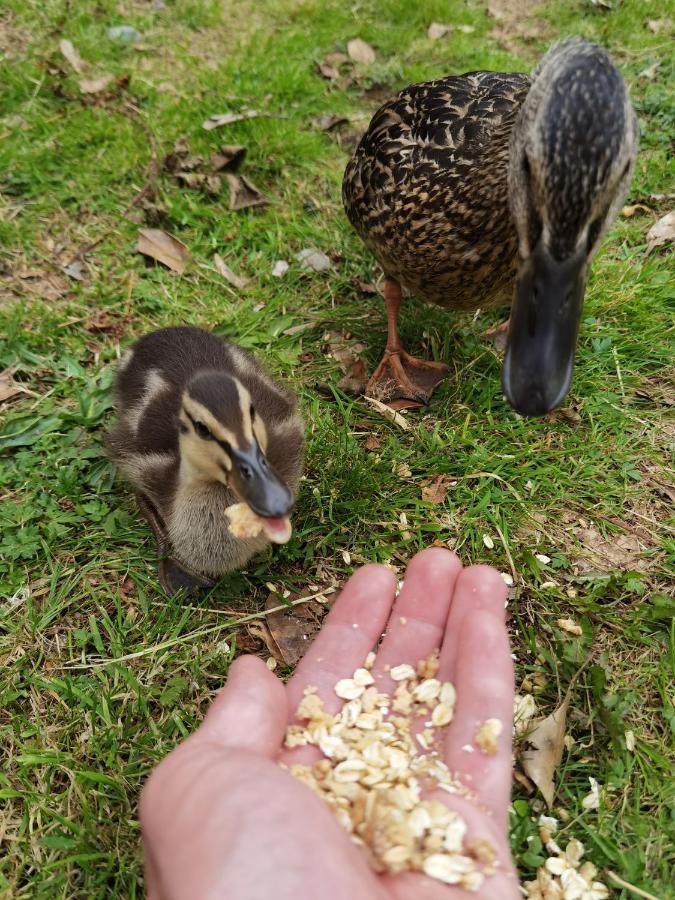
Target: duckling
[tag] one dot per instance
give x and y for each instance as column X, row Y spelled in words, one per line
column 201, row 427
column 493, row 188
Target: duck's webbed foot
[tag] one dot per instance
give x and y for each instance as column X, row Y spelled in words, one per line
column 401, row 376
column 174, row 577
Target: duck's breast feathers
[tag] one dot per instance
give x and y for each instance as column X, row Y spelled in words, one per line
column 438, row 129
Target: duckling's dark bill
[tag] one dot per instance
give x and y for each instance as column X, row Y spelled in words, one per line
column 543, row 332
column 258, row 485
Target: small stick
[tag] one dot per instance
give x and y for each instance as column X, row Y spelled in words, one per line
column 629, row 887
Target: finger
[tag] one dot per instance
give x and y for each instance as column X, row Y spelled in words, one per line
column 478, row 589
column 250, row 712
column 349, row 632
column 417, row 621
column 484, row 683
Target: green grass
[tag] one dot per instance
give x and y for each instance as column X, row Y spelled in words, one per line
column 78, row 581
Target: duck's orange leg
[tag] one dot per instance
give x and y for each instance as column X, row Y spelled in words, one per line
column 400, row 376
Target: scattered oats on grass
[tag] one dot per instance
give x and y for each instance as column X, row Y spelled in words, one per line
column 629, row 737
column 565, row 877
column 487, row 736
column 508, row 578
column 489, row 543
column 271, row 663
column 592, row 798
column 374, row 769
column 569, row 625
column 524, row 708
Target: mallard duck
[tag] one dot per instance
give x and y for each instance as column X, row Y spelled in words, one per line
column 201, row 428
column 493, row 188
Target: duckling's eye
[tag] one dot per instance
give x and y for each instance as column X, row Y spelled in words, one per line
column 526, row 166
column 251, row 412
column 203, row 431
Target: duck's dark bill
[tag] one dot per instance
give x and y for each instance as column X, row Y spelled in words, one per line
column 257, row 484
column 543, row 332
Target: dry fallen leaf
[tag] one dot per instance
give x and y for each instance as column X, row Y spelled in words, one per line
column 223, row 269
column 656, row 26
column 329, row 122
column 243, row 193
column 350, row 361
column 293, row 629
column 313, row 259
column 71, row 54
column 662, row 232
column 330, row 73
column 228, row 156
column 650, row 72
column 280, row 268
column 220, row 119
column 8, row 387
column 544, row 749
column 94, row 85
column 373, row 443
column 437, row 31
column 435, row 489
column 388, row 413
column 163, row 248
column 259, row 629
column 361, row 52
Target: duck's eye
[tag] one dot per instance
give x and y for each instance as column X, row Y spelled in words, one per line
column 251, row 412
column 203, row 431
column 526, row 166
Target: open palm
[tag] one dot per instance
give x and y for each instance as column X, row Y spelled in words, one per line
column 220, row 818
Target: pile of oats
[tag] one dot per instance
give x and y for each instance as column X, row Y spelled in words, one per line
column 564, row 876
column 379, row 758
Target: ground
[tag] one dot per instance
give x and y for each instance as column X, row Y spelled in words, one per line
column 100, row 675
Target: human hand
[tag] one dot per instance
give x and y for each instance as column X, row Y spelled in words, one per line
column 220, row 818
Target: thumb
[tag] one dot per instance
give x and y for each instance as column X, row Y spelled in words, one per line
column 250, row 712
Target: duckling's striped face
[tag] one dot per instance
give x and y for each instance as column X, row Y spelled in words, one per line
column 217, row 417
column 223, row 438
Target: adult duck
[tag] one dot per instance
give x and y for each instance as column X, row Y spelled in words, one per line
column 496, row 188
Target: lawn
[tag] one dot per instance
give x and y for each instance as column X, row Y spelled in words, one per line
column 100, row 675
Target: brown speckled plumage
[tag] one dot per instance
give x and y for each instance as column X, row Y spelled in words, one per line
column 427, row 187
column 494, row 188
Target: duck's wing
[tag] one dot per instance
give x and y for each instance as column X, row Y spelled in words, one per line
column 430, row 143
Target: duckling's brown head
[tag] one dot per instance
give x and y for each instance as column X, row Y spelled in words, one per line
column 223, row 438
column 573, row 150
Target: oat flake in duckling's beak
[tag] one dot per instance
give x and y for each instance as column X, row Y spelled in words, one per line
column 244, row 523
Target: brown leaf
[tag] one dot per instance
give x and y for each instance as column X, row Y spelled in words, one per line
column 228, row 156
column 243, row 193
column 662, row 232
column 163, row 248
column 623, row 551
column 330, row 73
column 100, row 321
column 348, row 356
column 260, row 630
column 366, row 287
column 213, row 184
column 436, row 31
column 544, row 750
column 227, row 273
column 373, row 442
column 193, row 180
column 292, row 629
column 94, row 85
column 435, row 489
column 361, row 52
column 71, row 54
column 336, row 58
column 8, row 387
column 329, row 122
